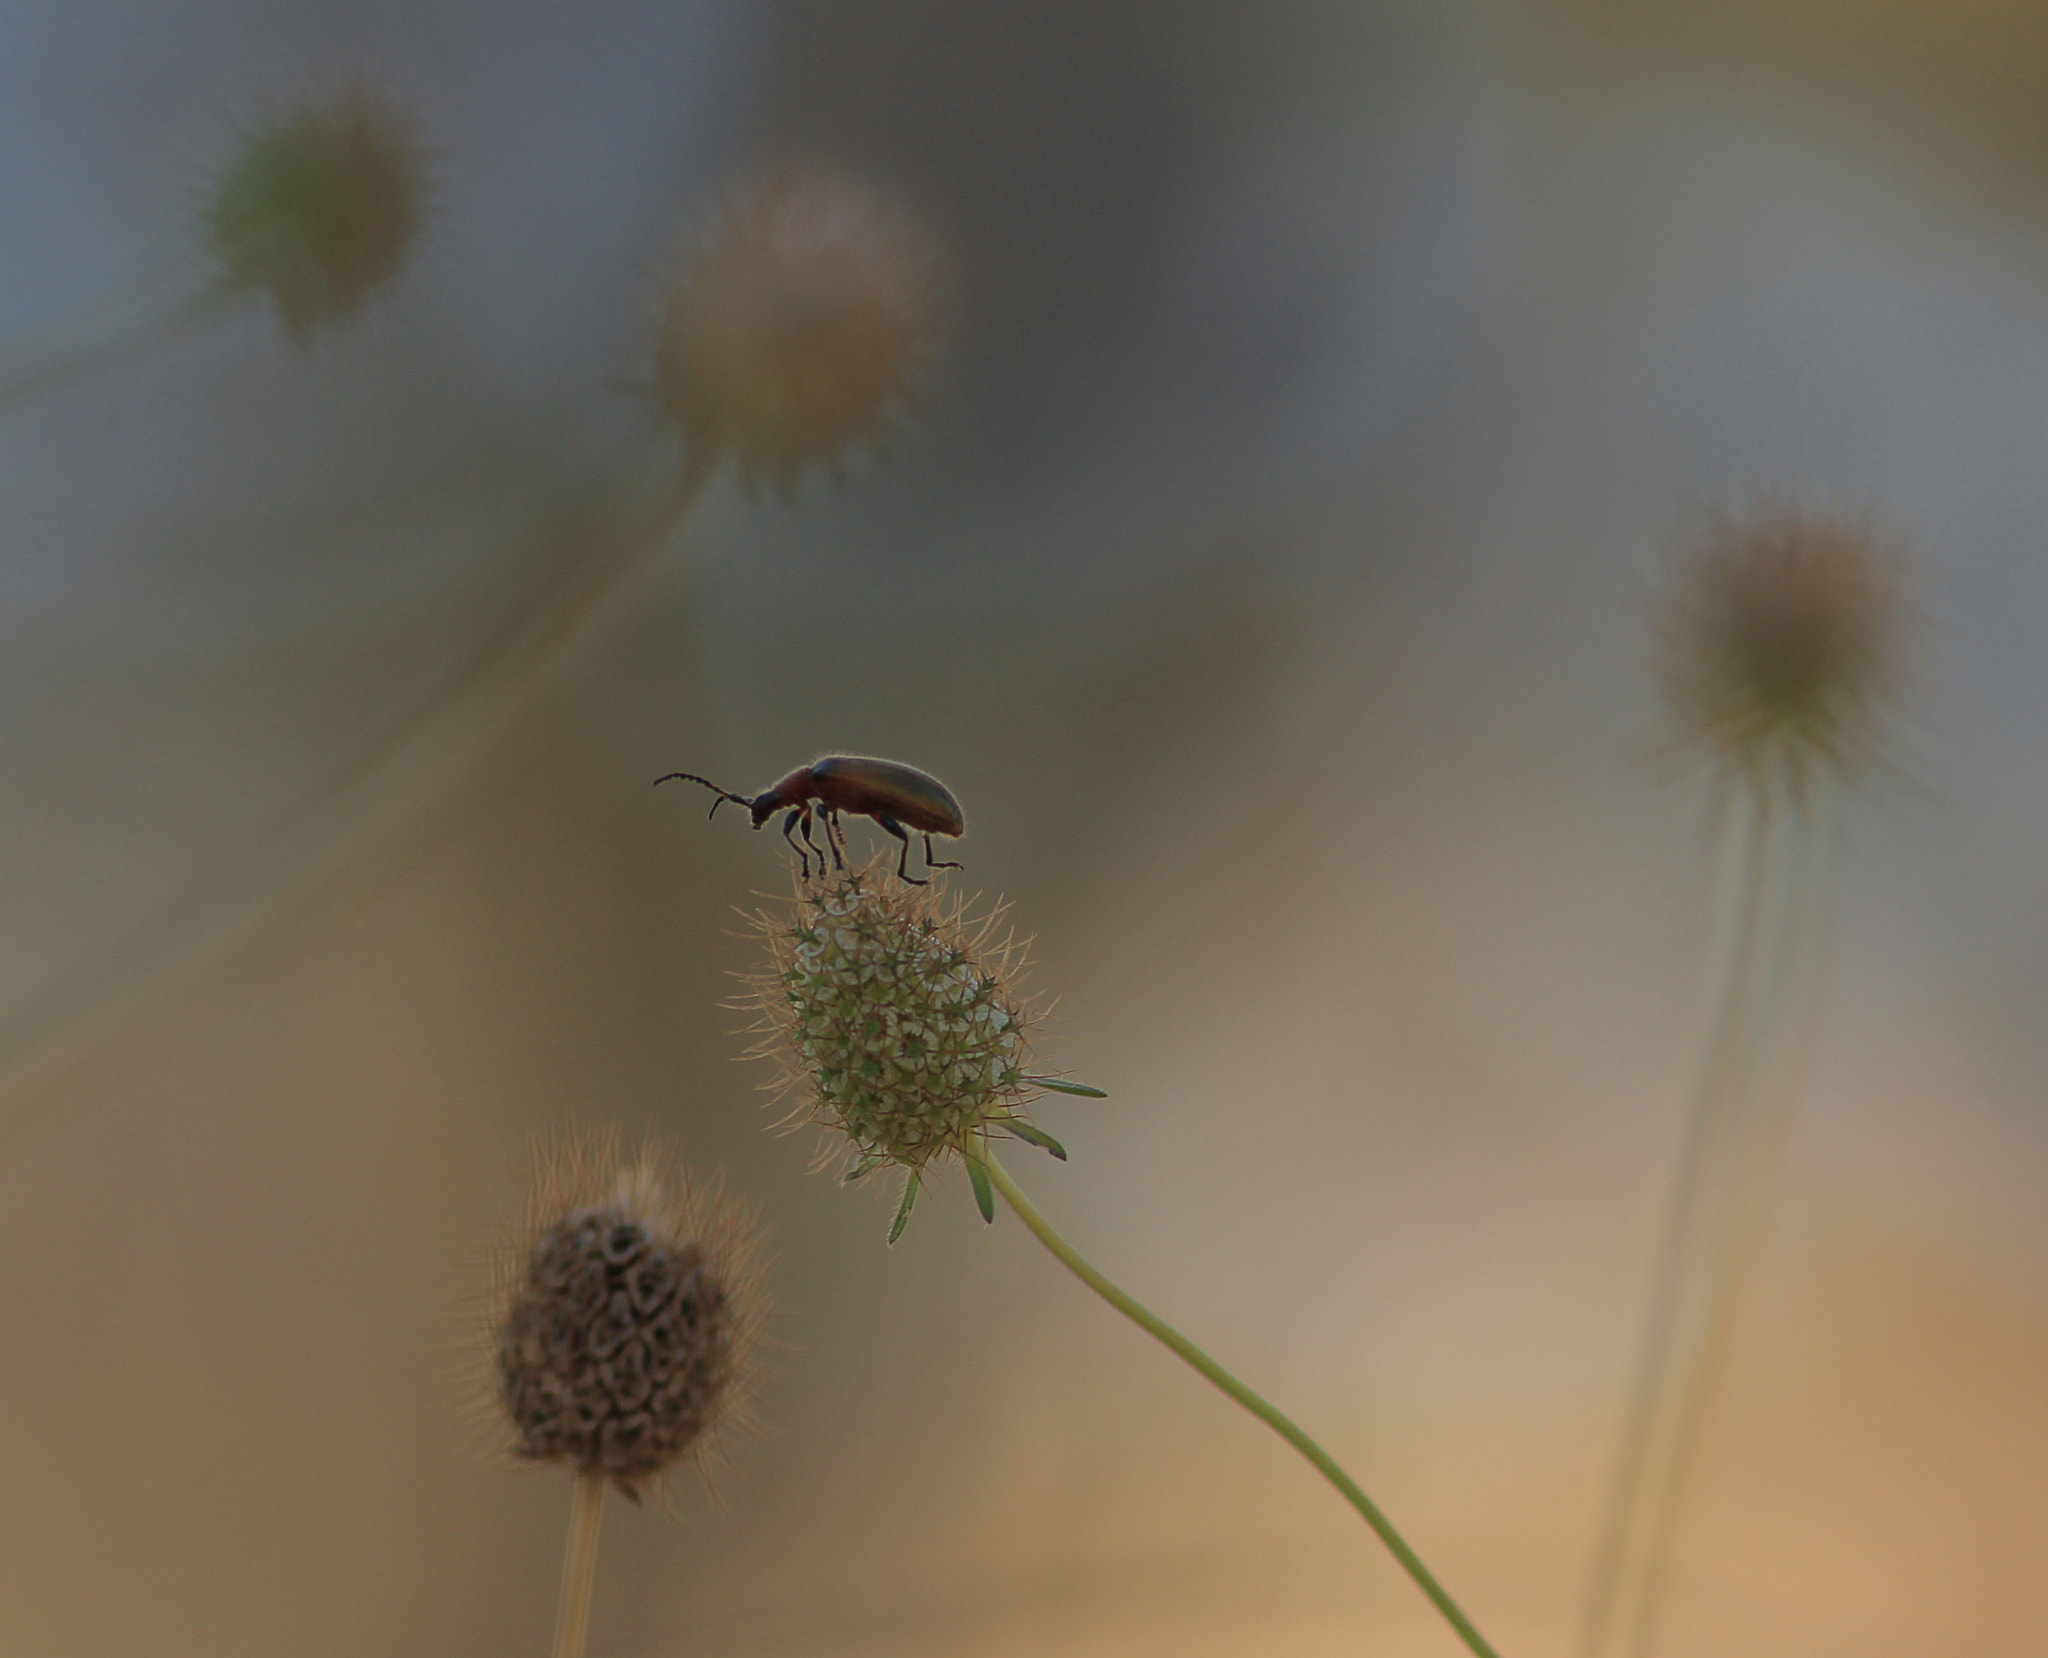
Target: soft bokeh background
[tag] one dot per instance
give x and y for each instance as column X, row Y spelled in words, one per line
column 1269, row 575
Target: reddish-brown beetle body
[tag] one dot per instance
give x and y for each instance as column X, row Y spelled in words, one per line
column 896, row 796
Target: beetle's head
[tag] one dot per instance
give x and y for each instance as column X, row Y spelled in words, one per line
column 763, row 807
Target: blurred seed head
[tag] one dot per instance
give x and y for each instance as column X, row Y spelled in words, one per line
column 1780, row 646
column 894, row 1017
column 799, row 325
column 320, row 208
column 622, row 1316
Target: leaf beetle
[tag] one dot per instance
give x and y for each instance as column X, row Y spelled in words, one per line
column 896, row 796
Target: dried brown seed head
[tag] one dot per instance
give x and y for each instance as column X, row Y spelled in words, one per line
column 623, row 1319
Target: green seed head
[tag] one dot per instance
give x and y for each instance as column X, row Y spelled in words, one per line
column 1780, row 647
column 620, row 1329
column 320, row 208
column 894, row 1019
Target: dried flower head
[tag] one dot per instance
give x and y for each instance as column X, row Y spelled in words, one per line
column 622, row 1317
column 320, row 208
column 898, row 1022
column 799, row 326
column 1780, row 646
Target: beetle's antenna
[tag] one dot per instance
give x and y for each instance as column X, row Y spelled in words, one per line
column 723, row 794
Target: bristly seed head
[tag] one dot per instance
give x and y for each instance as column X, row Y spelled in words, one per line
column 1780, row 646
column 623, row 1317
column 799, row 326
column 895, row 1019
column 320, row 208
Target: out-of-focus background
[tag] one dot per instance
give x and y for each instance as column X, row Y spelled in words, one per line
column 1270, row 574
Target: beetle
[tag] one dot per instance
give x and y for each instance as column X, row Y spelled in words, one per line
column 896, row 796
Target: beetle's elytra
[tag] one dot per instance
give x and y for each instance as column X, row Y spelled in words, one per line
column 896, row 796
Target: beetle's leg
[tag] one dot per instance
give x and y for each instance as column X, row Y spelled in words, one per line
column 903, row 858
column 835, row 836
column 936, row 863
column 804, row 829
column 788, row 826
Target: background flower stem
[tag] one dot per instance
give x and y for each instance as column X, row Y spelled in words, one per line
column 227, row 918
column 1771, row 911
column 155, row 312
column 579, row 1565
column 1078, row 1265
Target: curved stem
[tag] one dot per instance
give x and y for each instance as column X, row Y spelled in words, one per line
column 579, row 1566
column 1324, row 1463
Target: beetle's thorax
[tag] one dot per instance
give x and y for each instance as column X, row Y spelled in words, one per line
column 793, row 790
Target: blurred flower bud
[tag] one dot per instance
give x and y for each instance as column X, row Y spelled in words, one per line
column 1780, row 645
column 320, row 208
column 897, row 1021
column 623, row 1317
column 798, row 326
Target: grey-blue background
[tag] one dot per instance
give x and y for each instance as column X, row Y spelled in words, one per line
column 1270, row 574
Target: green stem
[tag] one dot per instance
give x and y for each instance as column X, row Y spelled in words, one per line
column 1153, row 1325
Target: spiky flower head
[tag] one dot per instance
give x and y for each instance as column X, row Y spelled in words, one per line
column 320, row 207
column 1780, row 646
column 622, row 1316
column 799, row 325
column 897, row 1021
